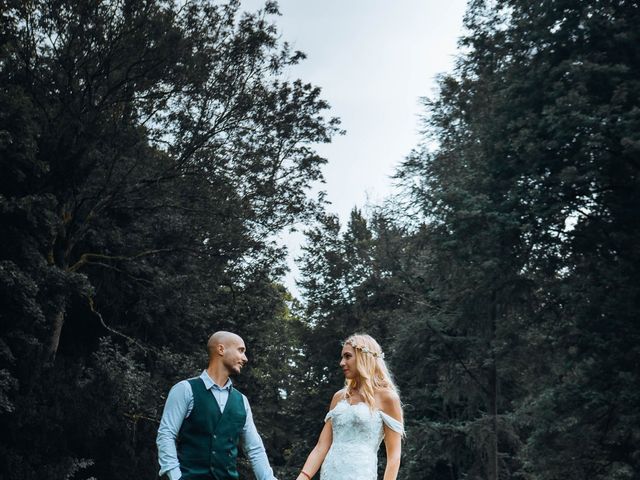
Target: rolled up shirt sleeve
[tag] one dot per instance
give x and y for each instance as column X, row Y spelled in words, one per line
column 177, row 407
column 254, row 448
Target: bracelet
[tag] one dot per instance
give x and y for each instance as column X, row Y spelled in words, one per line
column 302, row 472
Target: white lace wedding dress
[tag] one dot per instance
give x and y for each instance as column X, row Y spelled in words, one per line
column 357, row 433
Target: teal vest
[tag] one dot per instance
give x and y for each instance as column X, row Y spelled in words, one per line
column 208, row 439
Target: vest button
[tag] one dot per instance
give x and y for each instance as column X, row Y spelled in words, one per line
column 215, row 436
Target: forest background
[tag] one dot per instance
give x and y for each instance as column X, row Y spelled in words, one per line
column 150, row 153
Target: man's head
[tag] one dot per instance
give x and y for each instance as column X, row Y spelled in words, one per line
column 227, row 349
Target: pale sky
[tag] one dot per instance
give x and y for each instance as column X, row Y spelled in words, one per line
column 374, row 60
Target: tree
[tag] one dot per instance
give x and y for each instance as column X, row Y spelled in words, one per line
column 533, row 171
column 349, row 285
column 149, row 152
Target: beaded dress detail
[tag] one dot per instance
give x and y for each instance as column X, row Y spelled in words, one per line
column 357, row 434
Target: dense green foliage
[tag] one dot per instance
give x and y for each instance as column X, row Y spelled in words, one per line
column 149, row 154
column 513, row 281
column 505, row 279
column 530, row 267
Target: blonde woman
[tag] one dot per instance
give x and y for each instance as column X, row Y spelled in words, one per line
column 365, row 412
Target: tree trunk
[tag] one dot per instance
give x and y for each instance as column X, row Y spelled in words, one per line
column 58, row 322
column 493, row 468
column 59, row 258
column 494, row 472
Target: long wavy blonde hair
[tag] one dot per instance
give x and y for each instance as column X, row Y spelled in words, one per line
column 372, row 371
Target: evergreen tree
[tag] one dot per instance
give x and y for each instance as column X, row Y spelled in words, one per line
column 350, row 285
column 525, row 264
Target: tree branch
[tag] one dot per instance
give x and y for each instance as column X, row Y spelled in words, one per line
column 86, row 257
column 113, row 330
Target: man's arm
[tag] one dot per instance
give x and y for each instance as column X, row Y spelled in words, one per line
column 254, row 448
column 176, row 409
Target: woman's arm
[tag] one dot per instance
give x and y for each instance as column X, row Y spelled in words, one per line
column 316, row 457
column 390, row 404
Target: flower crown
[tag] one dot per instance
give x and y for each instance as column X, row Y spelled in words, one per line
column 364, row 348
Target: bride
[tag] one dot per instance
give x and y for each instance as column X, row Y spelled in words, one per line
column 362, row 414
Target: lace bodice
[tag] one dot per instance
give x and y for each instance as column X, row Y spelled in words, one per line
column 357, row 433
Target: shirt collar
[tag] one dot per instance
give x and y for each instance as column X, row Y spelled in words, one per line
column 209, row 383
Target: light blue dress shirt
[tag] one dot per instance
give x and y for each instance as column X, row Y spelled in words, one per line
column 178, row 407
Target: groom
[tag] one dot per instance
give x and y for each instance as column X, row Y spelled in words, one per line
column 205, row 419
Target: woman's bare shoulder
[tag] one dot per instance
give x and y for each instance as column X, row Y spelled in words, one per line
column 339, row 395
column 388, row 400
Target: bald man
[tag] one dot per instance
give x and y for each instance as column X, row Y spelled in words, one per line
column 205, row 419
